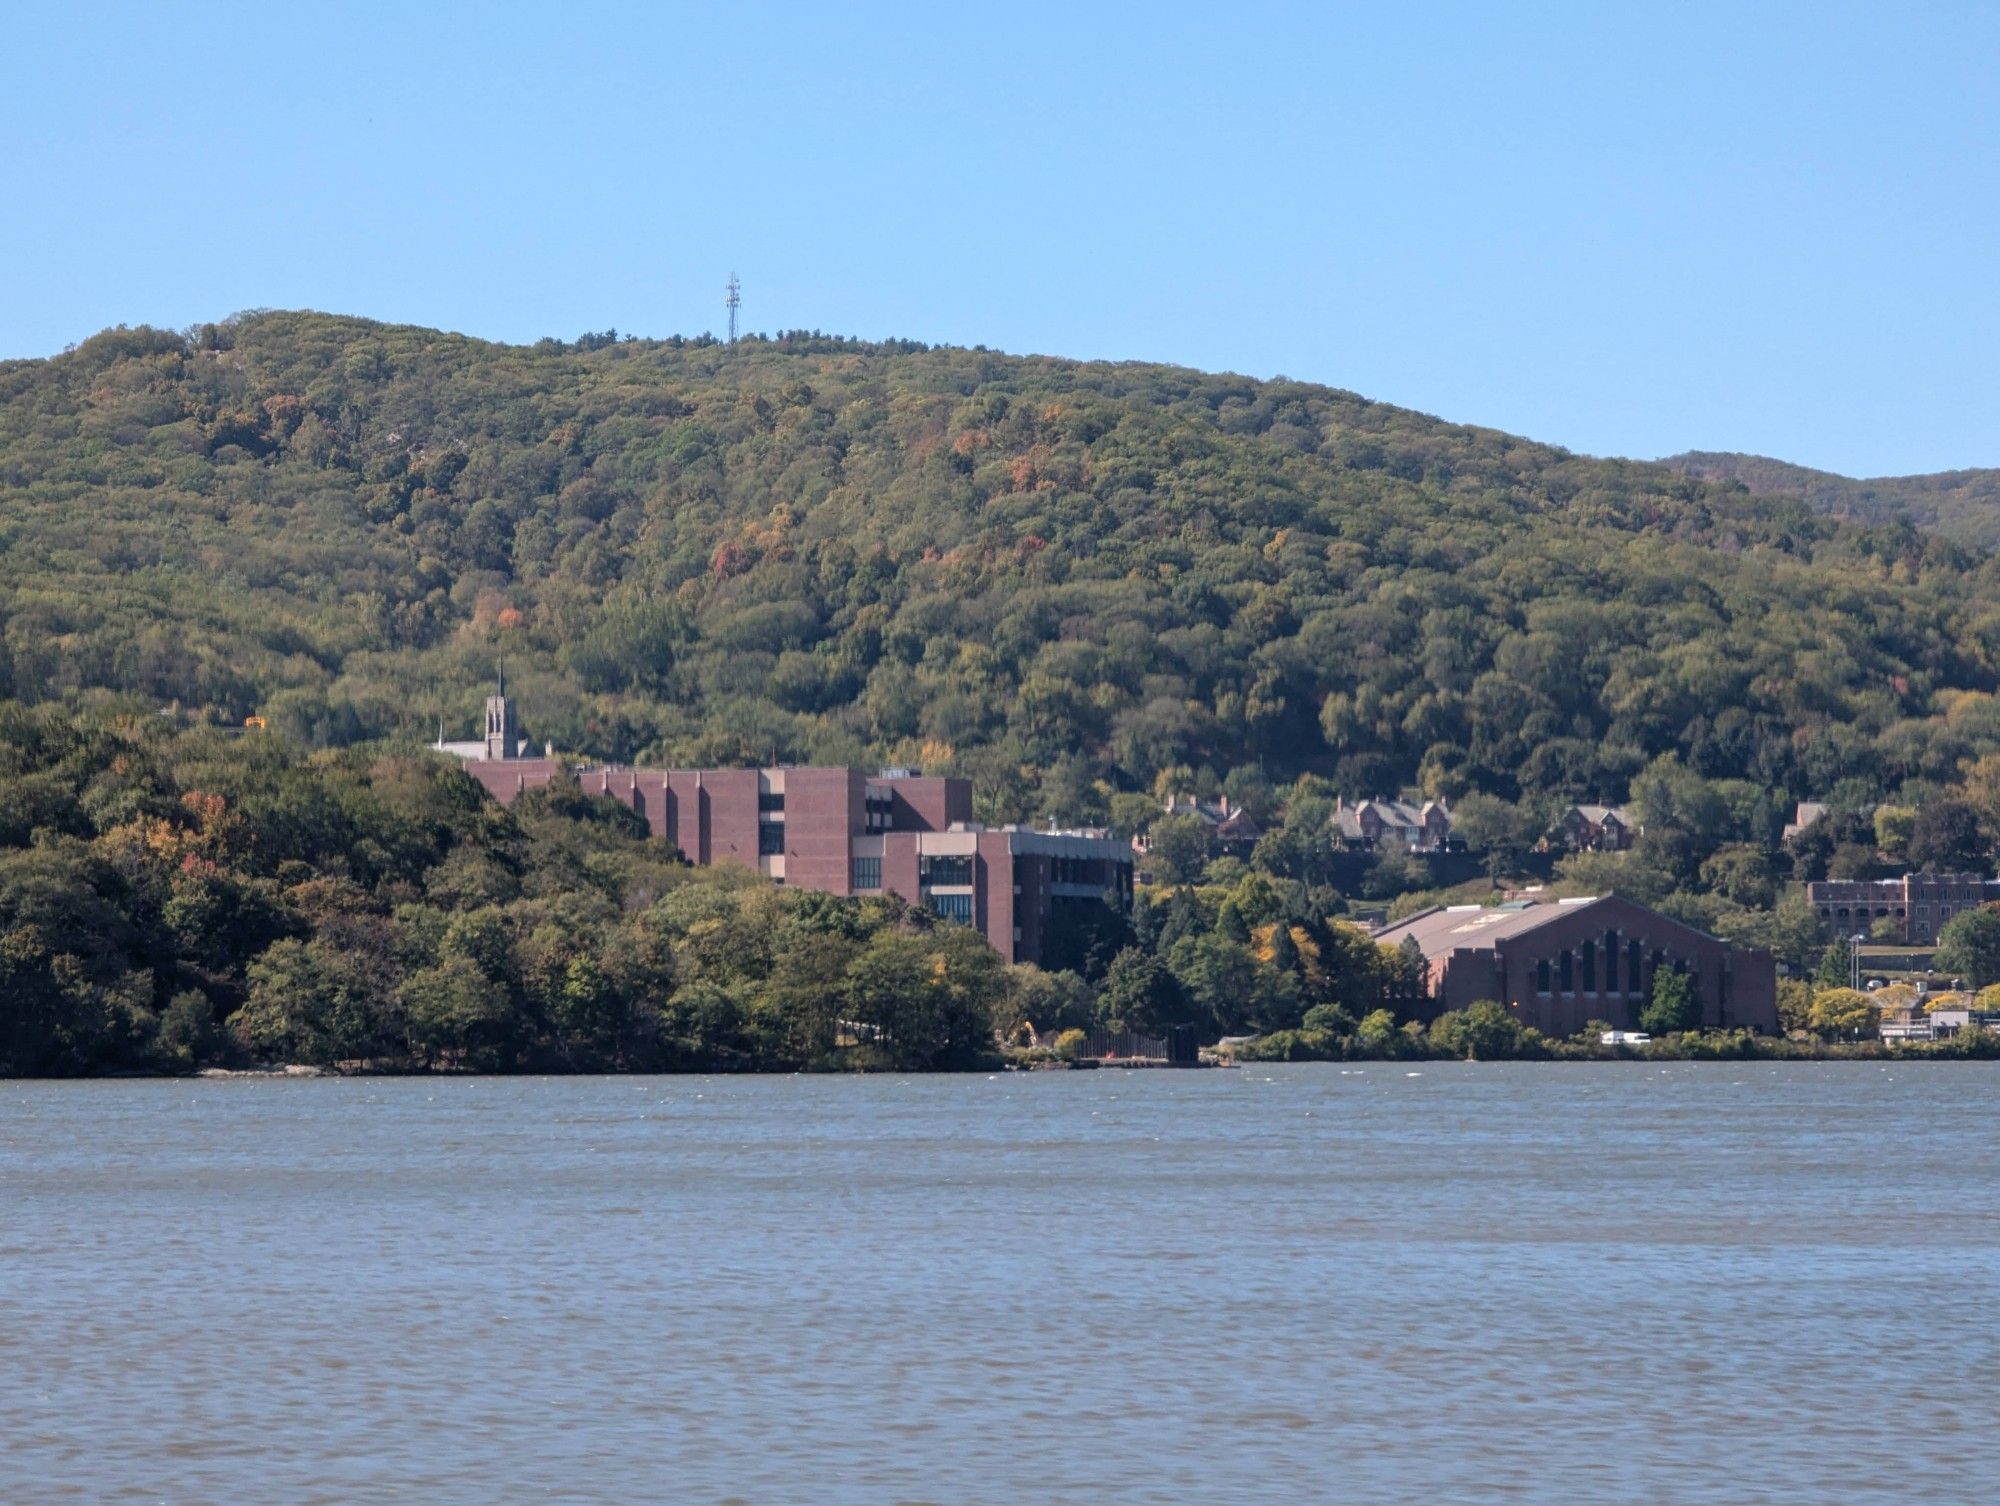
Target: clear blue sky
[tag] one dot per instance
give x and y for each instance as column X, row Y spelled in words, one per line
column 1628, row 229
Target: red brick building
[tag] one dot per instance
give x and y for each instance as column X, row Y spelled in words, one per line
column 847, row 832
column 1558, row 965
column 1917, row 904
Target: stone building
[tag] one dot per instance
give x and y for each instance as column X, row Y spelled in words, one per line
column 1557, row 965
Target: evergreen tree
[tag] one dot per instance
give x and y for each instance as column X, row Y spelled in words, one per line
column 1141, row 994
column 1184, row 920
column 1836, row 965
column 1285, row 950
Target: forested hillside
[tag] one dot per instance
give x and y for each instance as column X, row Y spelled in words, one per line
column 1065, row 579
column 1961, row 505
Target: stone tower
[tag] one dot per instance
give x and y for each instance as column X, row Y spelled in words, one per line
column 503, row 732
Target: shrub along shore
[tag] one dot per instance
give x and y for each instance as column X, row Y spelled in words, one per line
column 1484, row 1031
column 176, row 900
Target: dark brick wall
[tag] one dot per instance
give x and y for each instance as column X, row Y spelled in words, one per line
column 506, row 778
column 823, row 813
column 643, row 790
column 899, row 865
column 730, row 801
column 929, row 803
column 687, row 815
column 996, row 909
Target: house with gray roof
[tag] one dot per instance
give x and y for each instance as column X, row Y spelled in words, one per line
column 1597, row 828
column 1394, row 823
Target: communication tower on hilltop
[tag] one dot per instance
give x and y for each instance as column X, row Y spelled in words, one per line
column 733, row 302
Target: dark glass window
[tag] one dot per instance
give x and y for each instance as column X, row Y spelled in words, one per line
column 867, row 873
column 956, row 907
column 1590, row 967
column 1542, row 976
column 771, row 839
column 944, row 870
column 767, row 803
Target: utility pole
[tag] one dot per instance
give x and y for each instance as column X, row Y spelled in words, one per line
column 733, row 302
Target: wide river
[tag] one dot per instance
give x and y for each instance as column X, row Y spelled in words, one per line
column 1438, row 1284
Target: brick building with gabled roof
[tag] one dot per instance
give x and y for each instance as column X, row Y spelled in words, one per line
column 1558, row 965
column 1394, row 823
column 1597, row 828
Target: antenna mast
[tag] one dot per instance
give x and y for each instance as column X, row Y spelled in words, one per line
column 732, row 303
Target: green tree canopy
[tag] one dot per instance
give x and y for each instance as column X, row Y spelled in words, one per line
column 1969, row 946
column 1672, row 1005
column 1141, row 994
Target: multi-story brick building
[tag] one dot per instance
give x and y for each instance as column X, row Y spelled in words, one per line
column 1917, row 904
column 847, row 832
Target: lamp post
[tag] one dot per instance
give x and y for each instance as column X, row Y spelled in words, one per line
column 1854, row 960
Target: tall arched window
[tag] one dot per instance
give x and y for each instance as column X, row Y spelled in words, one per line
column 1611, row 962
column 1635, row 968
column 1568, row 971
column 1590, row 967
column 1542, row 976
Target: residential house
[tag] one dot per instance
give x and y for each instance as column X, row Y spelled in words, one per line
column 1806, row 815
column 1597, row 828
column 1394, row 823
column 1233, row 828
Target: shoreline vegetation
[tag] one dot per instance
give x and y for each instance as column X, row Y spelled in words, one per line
column 173, row 900
column 1287, row 1048
column 1486, row 1033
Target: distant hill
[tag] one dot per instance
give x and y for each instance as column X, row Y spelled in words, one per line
column 1064, row 578
column 1961, row 505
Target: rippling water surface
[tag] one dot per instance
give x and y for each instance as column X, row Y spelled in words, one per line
column 1462, row 1283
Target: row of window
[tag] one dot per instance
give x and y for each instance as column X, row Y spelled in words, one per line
column 866, row 873
column 1576, row 970
column 955, row 869
column 956, row 907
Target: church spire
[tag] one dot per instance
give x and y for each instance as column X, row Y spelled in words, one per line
column 503, row 730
